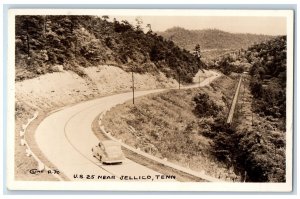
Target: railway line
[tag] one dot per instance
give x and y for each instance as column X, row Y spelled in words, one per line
column 234, row 102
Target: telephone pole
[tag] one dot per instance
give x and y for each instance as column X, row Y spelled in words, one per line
column 179, row 80
column 252, row 118
column 132, row 87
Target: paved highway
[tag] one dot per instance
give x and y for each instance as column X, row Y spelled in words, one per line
column 66, row 138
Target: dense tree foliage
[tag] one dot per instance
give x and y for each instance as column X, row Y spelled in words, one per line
column 256, row 156
column 257, row 152
column 230, row 62
column 268, row 72
column 82, row 41
column 260, row 158
column 225, row 65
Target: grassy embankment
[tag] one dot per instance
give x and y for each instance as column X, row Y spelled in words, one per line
column 165, row 126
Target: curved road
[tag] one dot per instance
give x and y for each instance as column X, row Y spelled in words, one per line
column 66, row 138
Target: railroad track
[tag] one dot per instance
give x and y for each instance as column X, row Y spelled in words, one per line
column 234, row 101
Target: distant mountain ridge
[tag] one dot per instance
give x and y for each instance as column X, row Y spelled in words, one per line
column 212, row 38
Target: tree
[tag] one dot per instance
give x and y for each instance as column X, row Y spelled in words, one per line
column 30, row 30
column 43, row 41
column 149, row 28
column 225, row 66
column 139, row 23
column 105, row 17
column 205, row 106
column 197, row 51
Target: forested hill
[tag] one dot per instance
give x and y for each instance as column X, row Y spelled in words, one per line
column 211, row 38
column 268, row 72
column 82, row 41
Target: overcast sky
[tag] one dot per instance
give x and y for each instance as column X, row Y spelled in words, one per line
column 240, row 24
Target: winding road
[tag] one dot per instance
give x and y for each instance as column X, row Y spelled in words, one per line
column 65, row 137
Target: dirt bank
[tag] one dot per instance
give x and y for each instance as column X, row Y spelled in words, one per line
column 56, row 90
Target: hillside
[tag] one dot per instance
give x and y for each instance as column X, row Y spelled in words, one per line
column 46, row 44
column 259, row 134
column 266, row 63
column 166, row 125
column 211, row 38
column 268, row 77
column 195, row 133
column 53, row 91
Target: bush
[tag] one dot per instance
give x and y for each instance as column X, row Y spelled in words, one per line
column 261, row 157
column 205, row 106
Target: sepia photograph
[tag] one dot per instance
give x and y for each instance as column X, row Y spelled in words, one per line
column 153, row 100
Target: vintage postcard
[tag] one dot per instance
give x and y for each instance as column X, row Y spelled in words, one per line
column 150, row 100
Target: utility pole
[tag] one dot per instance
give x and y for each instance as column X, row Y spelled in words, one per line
column 244, row 91
column 179, row 80
column 132, row 87
column 27, row 39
